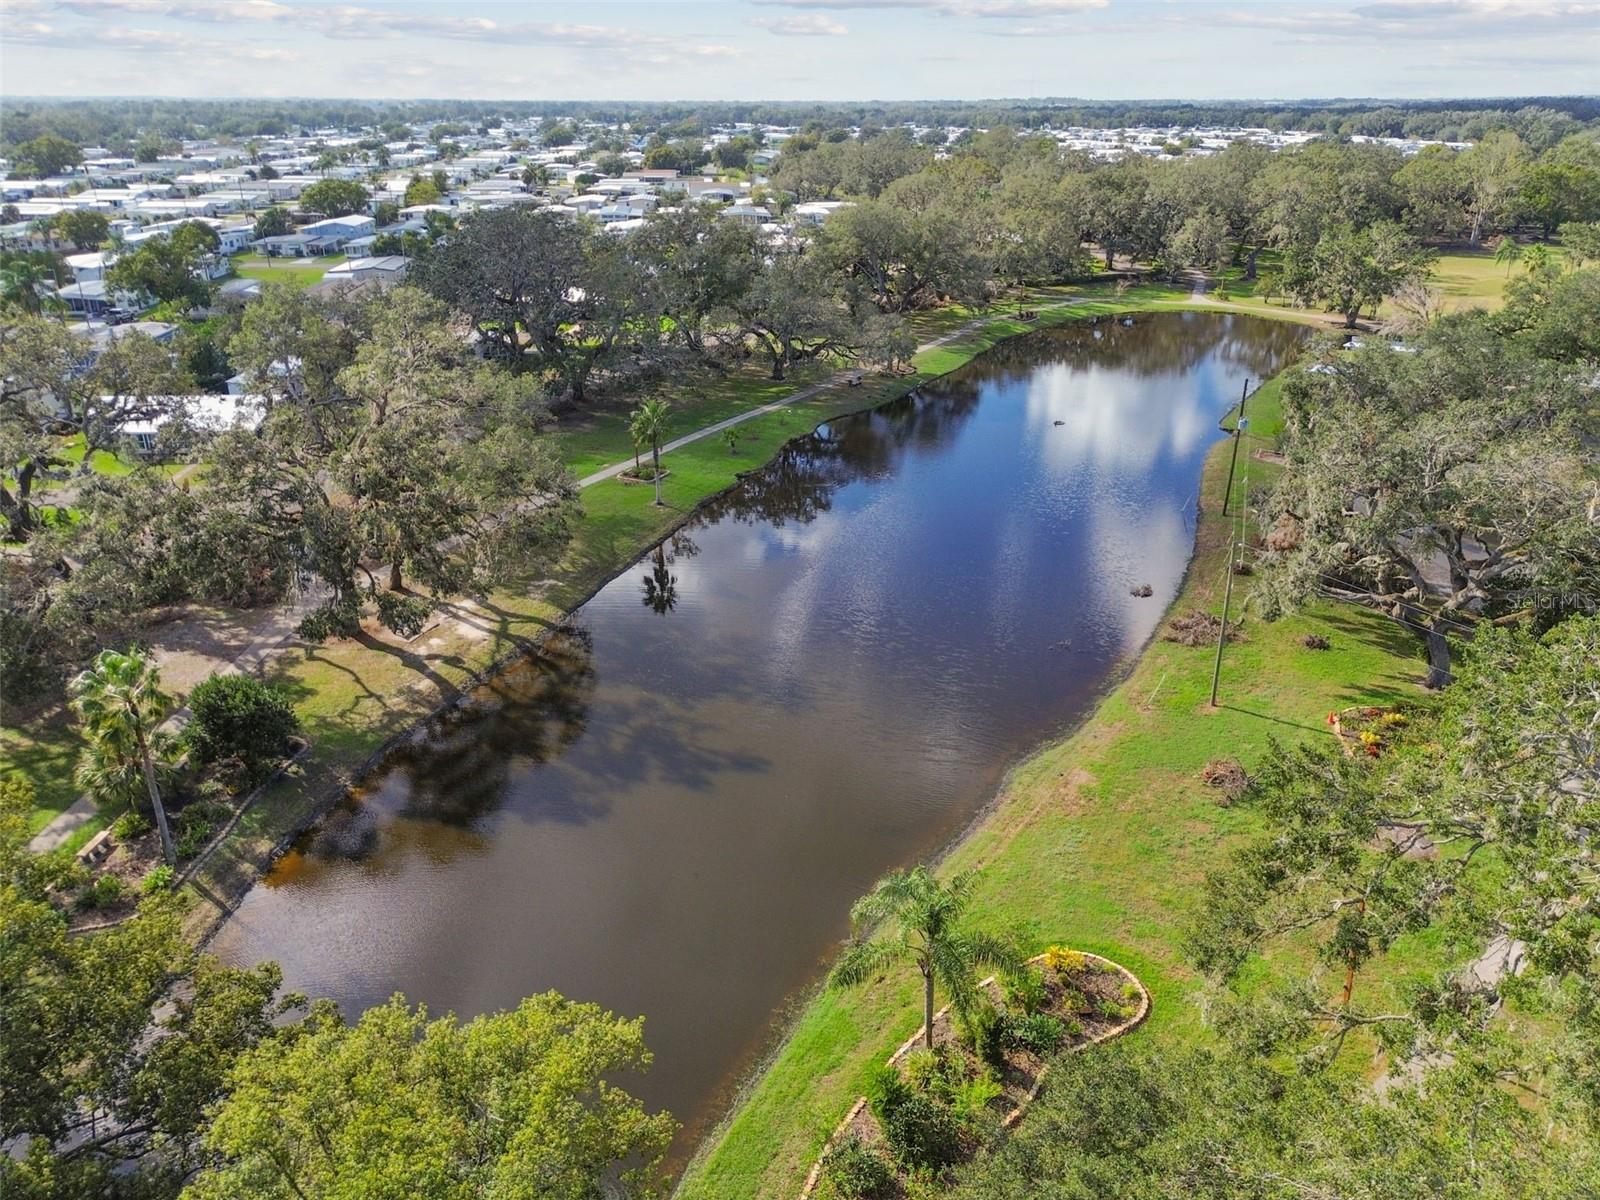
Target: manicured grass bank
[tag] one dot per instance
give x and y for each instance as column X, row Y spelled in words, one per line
column 1100, row 840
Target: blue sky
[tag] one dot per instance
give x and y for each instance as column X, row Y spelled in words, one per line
column 801, row 49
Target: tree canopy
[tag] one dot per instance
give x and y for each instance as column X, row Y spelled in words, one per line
column 519, row 1103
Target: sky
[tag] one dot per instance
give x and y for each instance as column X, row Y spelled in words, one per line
column 801, row 49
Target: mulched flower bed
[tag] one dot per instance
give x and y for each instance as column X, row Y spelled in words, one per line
column 642, row 475
column 1093, row 998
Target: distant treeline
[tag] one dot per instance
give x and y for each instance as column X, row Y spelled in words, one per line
column 1540, row 121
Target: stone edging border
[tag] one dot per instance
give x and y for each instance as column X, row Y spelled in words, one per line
column 814, row 1176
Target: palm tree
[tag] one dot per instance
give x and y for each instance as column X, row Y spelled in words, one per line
column 120, row 703
column 21, row 281
column 1537, row 259
column 1508, row 251
column 928, row 932
column 648, row 426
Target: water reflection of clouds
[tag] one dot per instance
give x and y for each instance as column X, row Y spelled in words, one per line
column 1117, row 422
column 1147, row 544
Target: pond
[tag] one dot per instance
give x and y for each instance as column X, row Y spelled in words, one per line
column 825, row 675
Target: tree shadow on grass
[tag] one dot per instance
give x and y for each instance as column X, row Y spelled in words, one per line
column 418, row 664
column 496, row 622
column 1375, row 630
column 1378, row 693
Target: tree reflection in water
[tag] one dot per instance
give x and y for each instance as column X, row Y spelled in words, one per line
column 454, row 769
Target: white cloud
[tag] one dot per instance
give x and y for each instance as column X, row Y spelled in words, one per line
column 119, row 38
column 805, row 25
column 1439, row 20
column 955, row 8
column 359, row 21
column 218, row 12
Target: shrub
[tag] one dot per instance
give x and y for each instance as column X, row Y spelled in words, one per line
column 160, row 879
column 195, row 825
column 970, row 1101
column 922, row 1132
column 1063, row 961
column 856, row 1171
column 984, row 1030
column 1315, row 641
column 1039, row 1033
column 941, row 1073
column 106, row 890
column 191, row 841
column 1025, row 993
column 238, row 716
column 1113, row 1011
column 885, row 1090
column 922, row 1069
column 130, row 825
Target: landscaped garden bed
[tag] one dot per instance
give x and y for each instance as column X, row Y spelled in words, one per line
column 928, row 1111
column 240, row 736
column 104, row 882
column 644, row 474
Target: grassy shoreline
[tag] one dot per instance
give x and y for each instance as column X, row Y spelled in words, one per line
column 1098, row 839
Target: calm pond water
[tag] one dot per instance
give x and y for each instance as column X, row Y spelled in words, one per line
column 671, row 810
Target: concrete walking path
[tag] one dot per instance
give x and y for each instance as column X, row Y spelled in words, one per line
column 796, row 397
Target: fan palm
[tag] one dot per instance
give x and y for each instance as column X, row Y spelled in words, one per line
column 1537, row 259
column 927, row 931
column 648, row 425
column 120, row 703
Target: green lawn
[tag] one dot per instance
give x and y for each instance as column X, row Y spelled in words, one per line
column 1471, row 280
column 102, row 463
column 1463, row 278
column 299, row 272
column 1100, row 841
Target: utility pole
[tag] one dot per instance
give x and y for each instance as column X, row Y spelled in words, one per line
column 1238, row 428
column 1227, row 594
column 1222, row 633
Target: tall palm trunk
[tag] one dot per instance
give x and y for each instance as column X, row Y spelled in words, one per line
column 655, row 457
column 927, row 1006
column 148, row 767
